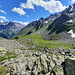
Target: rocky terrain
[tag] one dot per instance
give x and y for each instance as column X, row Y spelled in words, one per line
column 17, row 59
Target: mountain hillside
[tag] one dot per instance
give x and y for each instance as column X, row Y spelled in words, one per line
column 38, row 25
column 64, row 23
column 9, row 29
column 54, row 27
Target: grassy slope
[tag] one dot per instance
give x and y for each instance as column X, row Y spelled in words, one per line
column 44, row 26
column 37, row 40
column 23, row 33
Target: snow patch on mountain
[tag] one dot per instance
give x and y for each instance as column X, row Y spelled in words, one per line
column 71, row 8
column 71, row 13
column 72, row 34
column 70, row 20
column 46, row 22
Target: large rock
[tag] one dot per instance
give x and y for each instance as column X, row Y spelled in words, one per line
column 70, row 66
column 45, row 64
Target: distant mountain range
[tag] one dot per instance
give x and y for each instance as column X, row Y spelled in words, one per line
column 55, row 26
column 9, row 29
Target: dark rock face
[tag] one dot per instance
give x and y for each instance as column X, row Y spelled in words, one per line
column 62, row 24
column 53, row 16
column 69, row 66
column 58, row 25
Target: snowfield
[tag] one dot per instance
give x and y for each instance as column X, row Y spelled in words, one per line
column 72, row 34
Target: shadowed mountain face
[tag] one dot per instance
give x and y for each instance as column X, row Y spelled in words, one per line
column 9, row 29
column 64, row 23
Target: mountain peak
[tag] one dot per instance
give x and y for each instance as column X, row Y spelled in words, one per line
column 70, row 9
column 41, row 18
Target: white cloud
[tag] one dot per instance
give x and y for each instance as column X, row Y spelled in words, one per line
column 19, row 11
column 28, row 5
column 37, row 19
column 2, row 11
column 3, row 18
column 73, row 1
column 27, row 16
column 52, row 5
column 23, row 23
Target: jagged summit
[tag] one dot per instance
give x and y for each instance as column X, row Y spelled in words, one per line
column 70, row 9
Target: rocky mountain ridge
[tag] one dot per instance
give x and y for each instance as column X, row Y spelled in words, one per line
column 38, row 24
column 64, row 23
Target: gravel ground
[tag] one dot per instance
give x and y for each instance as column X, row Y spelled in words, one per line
column 11, row 44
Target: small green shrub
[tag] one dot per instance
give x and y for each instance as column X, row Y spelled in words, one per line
column 27, row 55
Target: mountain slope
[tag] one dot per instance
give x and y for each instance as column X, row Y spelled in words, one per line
column 38, row 25
column 64, row 23
column 61, row 24
column 9, row 29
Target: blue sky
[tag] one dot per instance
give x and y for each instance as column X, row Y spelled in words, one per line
column 26, row 11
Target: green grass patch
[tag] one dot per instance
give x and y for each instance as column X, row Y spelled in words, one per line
column 0, row 51
column 2, row 58
column 53, row 37
column 10, row 54
column 37, row 40
column 3, row 70
column 68, row 29
column 73, row 53
column 27, row 55
column 23, row 33
column 7, row 56
column 36, row 49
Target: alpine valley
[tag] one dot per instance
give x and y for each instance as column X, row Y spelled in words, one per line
column 43, row 47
